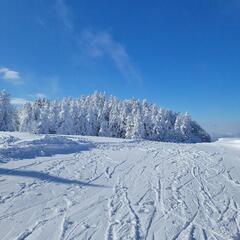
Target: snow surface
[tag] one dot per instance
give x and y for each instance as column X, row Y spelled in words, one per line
column 72, row 187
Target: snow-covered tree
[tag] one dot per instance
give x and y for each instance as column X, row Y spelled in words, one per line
column 26, row 118
column 65, row 118
column 100, row 115
column 7, row 113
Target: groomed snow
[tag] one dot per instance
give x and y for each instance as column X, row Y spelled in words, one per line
column 70, row 187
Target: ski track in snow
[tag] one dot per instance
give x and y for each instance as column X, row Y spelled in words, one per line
column 103, row 188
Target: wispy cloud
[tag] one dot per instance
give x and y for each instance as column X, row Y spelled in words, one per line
column 65, row 14
column 19, row 101
column 99, row 44
column 37, row 95
column 41, row 22
column 52, row 87
column 10, row 75
column 41, row 95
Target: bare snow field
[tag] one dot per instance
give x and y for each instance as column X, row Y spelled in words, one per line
column 70, row 187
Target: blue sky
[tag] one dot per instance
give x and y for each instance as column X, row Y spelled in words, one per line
column 183, row 55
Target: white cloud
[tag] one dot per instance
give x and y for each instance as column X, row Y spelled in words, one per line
column 100, row 44
column 19, row 101
column 41, row 22
column 65, row 14
column 37, row 95
column 52, row 87
column 10, row 75
column 40, row 95
column 96, row 44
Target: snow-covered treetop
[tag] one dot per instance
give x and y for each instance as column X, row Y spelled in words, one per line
column 102, row 115
column 7, row 113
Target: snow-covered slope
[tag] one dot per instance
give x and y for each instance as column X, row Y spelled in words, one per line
column 69, row 187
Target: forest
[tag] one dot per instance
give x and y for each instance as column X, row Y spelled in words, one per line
column 100, row 115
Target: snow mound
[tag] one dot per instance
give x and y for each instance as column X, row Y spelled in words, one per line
column 230, row 142
column 43, row 147
column 7, row 139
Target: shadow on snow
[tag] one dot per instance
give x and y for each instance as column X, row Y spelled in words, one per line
column 46, row 177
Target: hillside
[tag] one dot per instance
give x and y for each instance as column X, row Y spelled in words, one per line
column 68, row 187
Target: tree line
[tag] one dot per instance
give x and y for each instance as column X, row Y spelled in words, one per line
column 100, row 115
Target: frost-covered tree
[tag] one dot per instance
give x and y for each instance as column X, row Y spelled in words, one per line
column 26, row 118
column 43, row 122
column 66, row 125
column 8, row 118
column 103, row 119
column 100, row 115
column 54, row 121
